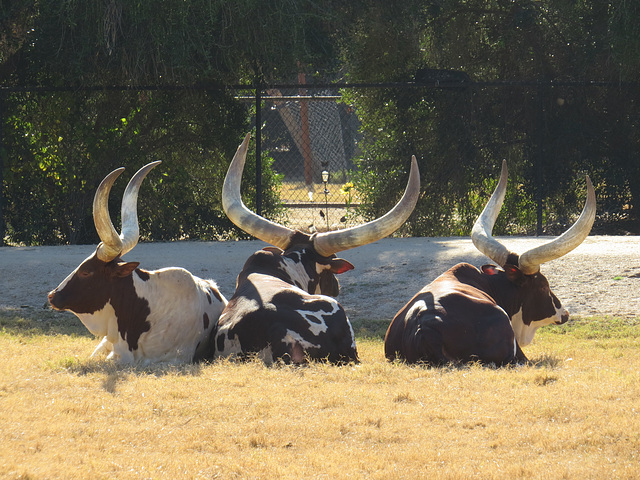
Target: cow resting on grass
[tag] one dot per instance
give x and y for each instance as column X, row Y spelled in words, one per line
column 283, row 307
column 486, row 315
column 147, row 316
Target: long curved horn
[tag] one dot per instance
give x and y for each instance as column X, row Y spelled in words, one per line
column 328, row 243
column 129, row 210
column 239, row 214
column 481, row 233
column 111, row 243
column 531, row 260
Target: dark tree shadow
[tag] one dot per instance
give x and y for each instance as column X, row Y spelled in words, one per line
column 29, row 321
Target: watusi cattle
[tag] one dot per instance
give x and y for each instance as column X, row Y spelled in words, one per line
column 283, row 307
column 141, row 316
column 486, row 315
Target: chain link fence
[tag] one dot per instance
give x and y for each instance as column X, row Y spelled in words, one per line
column 334, row 155
column 551, row 134
column 312, row 138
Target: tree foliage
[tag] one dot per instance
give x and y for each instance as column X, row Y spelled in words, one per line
column 82, row 42
column 491, row 79
column 501, row 79
column 59, row 144
column 56, row 162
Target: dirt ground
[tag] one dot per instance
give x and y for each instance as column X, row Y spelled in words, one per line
column 600, row 277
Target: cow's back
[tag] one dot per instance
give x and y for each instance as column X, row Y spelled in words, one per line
column 273, row 319
column 186, row 309
column 449, row 321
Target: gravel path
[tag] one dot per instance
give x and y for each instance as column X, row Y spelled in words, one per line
column 600, row 277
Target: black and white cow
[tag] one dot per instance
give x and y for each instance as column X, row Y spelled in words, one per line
column 486, row 315
column 283, row 307
column 142, row 316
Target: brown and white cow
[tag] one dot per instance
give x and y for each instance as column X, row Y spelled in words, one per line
column 486, row 315
column 142, row 316
column 283, row 307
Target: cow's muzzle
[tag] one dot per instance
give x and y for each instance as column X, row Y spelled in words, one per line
column 53, row 298
column 564, row 318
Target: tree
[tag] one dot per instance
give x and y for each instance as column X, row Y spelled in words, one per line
column 491, row 79
column 60, row 143
column 502, row 80
column 64, row 144
column 79, row 42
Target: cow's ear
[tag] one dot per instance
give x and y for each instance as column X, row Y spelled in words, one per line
column 124, row 269
column 514, row 274
column 275, row 250
column 340, row 265
column 491, row 270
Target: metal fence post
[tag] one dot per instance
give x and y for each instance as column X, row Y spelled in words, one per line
column 259, row 148
column 2, row 150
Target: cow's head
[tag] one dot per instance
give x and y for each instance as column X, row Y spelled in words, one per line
column 535, row 305
column 89, row 287
column 299, row 265
column 310, row 260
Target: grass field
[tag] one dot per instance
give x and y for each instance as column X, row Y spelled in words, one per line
column 575, row 413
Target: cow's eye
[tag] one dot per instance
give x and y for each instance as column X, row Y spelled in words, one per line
column 85, row 273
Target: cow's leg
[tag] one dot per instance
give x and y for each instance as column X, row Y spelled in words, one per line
column 104, row 347
column 121, row 353
column 520, row 357
column 297, row 354
column 289, row 351
column 513, row 353
column 346, row 352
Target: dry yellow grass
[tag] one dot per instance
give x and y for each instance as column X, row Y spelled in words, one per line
column 574, row 415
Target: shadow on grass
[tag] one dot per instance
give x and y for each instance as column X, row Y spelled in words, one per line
column 370, row 328
column 116, row 374
column 542, row 361
column 546, row 360
column 36, row 321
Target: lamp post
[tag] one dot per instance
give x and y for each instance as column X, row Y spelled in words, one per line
column 325, row 179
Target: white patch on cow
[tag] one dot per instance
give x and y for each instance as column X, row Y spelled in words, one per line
column 353, row 337
column 294, row 337
column 318, row 326
column 122, row 354
column 525, row 333
column 231, row 347
column 178, row 302
column 104, row 323
column 296, row 272
column 321, row 267
column 101, row 323
column 265, row 355
column 104, row 347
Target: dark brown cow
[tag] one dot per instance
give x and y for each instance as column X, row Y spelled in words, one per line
column 283, row 306
column 485, row 315
column 146, row 316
